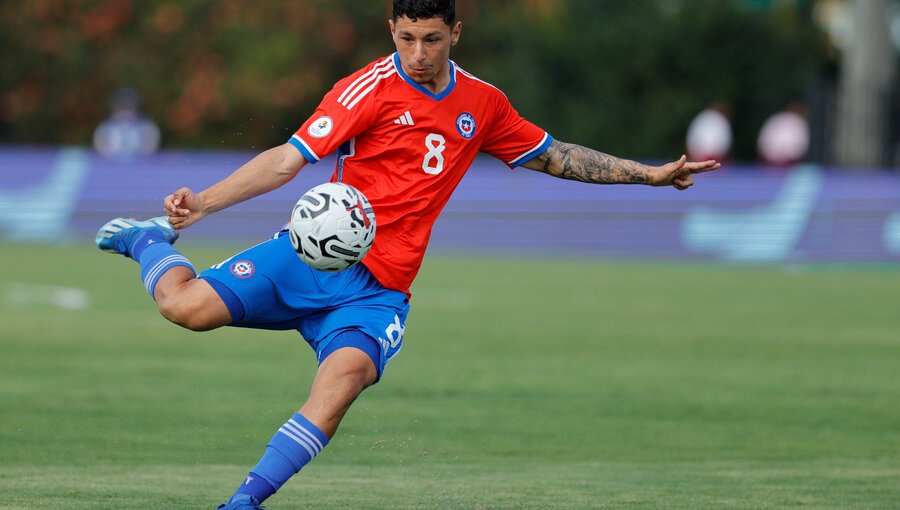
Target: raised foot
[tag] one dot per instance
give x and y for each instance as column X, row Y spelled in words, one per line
column 117, row 235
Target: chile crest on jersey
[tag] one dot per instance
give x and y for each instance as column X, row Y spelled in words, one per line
column 465, row 125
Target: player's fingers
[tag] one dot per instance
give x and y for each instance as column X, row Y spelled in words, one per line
column 177, row 221
column 179, row 202
column 678, row 164
column 665, row 174
column 177, row 213
column 705, row 166
column 182, row 195
column 169, row 204
column 683, row 183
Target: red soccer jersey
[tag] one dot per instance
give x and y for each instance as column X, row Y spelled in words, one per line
column 407, row 148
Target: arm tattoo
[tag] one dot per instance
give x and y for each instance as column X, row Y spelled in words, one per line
column 574, row 162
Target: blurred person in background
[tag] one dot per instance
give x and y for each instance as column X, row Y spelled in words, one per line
column 709, row 134
column 784, row 137
column 127, row 132
column 406, row 129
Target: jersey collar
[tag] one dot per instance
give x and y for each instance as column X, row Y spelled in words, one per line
column 413, row 84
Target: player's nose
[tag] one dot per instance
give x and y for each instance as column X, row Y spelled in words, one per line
column 419, row 52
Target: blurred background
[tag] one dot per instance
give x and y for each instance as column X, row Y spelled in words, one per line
column 106, row 106
column 571, row 346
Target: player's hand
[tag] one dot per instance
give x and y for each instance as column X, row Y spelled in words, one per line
column 183, row 208
column 678, row 173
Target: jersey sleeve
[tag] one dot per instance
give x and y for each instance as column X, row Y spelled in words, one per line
column 513, row 140
column 343, row 113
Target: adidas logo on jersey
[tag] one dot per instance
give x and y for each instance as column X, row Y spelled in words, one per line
column 405, row 120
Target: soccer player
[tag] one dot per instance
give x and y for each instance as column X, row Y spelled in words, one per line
column 406, row 128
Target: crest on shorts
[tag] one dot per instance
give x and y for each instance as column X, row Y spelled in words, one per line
column 465, row 124
column 321, row 127
column 242, row 268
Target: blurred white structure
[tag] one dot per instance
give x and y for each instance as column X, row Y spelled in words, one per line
column 127, row 132
column 862, row 30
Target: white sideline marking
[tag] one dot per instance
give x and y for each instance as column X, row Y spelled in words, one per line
column 35, row 294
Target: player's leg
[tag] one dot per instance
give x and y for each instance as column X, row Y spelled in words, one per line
column 190, row 302
column 167, row 275
column 348, row 368
column 341, row 378
column 354, row 339
column 343, row 316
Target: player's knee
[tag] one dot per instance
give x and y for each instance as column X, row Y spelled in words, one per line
column 185, row 313
column 194, row 305
column 339, row 382
column 351, row 369
column 355, row 379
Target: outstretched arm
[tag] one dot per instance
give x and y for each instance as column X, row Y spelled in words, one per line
column 574, row 162
column 265, row 172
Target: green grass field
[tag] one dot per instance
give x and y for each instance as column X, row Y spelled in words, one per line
column 523, row 384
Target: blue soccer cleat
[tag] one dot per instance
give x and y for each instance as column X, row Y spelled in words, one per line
column 119, row 235
column 242, row 502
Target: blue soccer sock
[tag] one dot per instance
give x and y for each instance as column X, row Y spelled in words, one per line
column 156, row 256
column 296, row 443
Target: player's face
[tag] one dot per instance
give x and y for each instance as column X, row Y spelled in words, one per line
column 424, row 47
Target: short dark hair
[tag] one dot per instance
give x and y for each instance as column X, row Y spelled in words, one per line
column 426, row 9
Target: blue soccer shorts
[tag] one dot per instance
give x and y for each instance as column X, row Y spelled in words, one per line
column 269, row 287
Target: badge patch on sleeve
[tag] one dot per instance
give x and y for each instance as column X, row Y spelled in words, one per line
column 321, row 127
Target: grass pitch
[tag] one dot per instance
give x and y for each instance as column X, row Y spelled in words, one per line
column 526, row 384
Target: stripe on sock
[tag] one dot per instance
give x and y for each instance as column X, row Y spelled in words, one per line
column 304, row 444
column 306, row 432
column 299, row 438
column 155, row 272
column 293, row 445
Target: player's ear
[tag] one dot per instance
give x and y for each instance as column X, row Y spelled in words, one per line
column 454, row 32
column 392, row 27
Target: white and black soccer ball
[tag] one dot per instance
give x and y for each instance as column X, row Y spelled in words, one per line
column 332, row 226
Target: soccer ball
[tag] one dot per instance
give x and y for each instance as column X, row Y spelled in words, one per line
column 332, row 226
